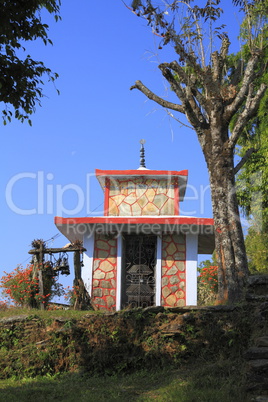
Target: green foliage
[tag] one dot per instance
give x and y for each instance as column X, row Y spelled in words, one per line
column 207, row 282
column 257, row 250
column 204, row 295
column 21, row 77
column 252, row 180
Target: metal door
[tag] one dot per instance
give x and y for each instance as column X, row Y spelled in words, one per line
column 138, row 274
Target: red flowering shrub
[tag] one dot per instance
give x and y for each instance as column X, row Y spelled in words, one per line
column 71, row 294
column 207, row 283
column 21, row 286
column 209, row 276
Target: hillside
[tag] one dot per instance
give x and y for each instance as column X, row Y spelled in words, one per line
column 178, row 340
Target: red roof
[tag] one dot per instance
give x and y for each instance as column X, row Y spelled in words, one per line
column 141, row 172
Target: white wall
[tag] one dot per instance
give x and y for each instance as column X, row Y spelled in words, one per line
column 191, row 269
column 119, row 273
column 87, row 269
column 158, row 272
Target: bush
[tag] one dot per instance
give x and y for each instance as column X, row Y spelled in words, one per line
column 207, row 283
column 21, row 286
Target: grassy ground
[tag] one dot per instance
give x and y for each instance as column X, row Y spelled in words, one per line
column 217, row 382
column 11, row 312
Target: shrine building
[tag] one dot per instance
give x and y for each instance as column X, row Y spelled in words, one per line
column 142, row 252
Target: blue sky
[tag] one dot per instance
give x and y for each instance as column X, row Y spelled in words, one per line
column 96, row 122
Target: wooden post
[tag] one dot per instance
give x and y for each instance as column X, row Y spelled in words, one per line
column 77, row 266
column 76, row 282
column 40, row 275
column 34, row 276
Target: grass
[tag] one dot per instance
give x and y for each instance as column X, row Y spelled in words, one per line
column 204, row 382
column 71, row 314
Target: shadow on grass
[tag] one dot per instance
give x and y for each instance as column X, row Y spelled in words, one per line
column 204, row 382
column 75, row 387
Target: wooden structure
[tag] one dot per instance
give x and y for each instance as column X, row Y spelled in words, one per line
column 42, row 268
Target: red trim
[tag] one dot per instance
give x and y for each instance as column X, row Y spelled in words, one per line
column 175, row 220
column 176, row 196
column 106, row 196
column 138, row 172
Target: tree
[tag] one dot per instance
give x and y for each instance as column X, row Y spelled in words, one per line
column 252, row 180
column 21, row 77
column 210, row 94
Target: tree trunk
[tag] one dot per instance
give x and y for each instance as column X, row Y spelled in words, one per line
column 229, row 239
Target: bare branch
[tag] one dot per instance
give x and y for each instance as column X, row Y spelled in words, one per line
column 250, row 109
column 237, row 73
column 244, row 159
column 179, row 70
column 186, row 79
column 195, row 107
column 162, row 102
column 215, row 66
column 189, row 93
column 218, row 59
column 225, row 44
column 240, row 97
column 192, row 111
column 175, row 84
column 179, row 121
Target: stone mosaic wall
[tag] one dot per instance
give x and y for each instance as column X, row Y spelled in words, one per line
column 141, row 196
column 173, row 270
column 104, row 273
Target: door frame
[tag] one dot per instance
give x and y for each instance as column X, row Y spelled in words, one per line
column 158, row 272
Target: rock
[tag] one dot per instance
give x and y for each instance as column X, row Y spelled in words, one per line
column 154, row 309
column 172, row 271
column 15, row 318
column 102, row 245
column 106, row 266
column 257, row 280
column 166, row 291
column 171, row 300
column 261, row 398
column 106, row 284
column 258, row 364
column 262, row 341
column 97, row 292
column 256, row 353
column 110, row 301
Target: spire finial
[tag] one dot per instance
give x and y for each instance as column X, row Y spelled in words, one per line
column 142, row 157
